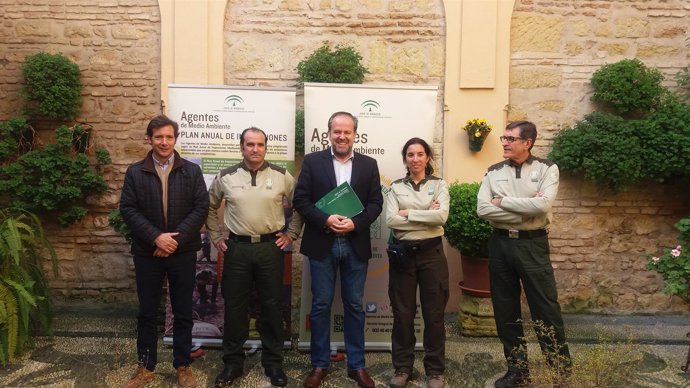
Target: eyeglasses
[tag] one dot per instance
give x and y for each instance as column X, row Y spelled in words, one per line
column 510, row 139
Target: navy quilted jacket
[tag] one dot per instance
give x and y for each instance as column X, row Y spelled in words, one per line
column 142, row 208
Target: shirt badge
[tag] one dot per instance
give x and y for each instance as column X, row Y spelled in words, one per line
column 269, row 183
column 431, row 190
column 534, row 176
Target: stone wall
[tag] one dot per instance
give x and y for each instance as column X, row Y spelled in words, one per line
column 117, row 47
column 598, row 239
column 401, row 41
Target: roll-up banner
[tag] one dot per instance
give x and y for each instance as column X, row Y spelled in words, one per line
column 211, row 119
column 388, row 117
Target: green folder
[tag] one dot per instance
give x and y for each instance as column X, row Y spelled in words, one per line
column 342, row 201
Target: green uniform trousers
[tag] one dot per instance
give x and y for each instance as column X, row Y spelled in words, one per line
column 524, row 263
column 245, row 266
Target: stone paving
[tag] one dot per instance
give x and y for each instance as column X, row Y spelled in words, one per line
column 94, row 346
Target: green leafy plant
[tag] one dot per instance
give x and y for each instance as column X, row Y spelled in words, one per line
column 341, row 65
column 603, row 147
column 665, row 138
column 628, row 86
column 24, row 293
column 299, row 132
column 464, row 229
column 53, row 180
column 118, row 224
column 16, row 136
column 52, row 87
column 674, row 263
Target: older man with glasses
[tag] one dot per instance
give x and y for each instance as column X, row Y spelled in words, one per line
column 516, row 197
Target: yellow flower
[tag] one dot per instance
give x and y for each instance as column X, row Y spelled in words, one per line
column 478, row 134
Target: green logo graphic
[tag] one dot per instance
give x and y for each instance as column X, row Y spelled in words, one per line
column 370, row 105
column 234, row 99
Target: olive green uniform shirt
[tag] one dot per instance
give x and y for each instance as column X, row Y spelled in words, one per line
column 421, row 222
column 527, row 194
column 253, row 200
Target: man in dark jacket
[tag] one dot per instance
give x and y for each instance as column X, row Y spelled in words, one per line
column 164, row 202
column 335, row 243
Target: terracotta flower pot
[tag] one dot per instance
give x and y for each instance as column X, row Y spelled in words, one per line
column 475, row 274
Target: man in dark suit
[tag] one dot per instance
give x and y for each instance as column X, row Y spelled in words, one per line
column 334, row 242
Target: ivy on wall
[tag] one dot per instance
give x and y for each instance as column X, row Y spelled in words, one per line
column 642, row 132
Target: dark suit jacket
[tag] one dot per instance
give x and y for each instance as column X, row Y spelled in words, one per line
column 316, row 179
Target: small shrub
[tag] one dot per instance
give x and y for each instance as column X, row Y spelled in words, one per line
column 343, row 65
column 628, row 86
column 464, row 229
column 607, row 364
column 603, row 147
column 52, row 87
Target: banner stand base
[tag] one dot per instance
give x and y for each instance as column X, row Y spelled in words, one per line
column 252, row 345
column 373, row 346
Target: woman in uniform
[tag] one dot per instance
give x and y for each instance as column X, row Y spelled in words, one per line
column 416, row 210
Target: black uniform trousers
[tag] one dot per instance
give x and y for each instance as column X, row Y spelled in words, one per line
column 426, row 267
column 524, row 263
column 247, row 265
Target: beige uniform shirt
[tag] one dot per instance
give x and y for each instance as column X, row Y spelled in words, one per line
column 422, row 222
column 253, row 200
column 527, row 193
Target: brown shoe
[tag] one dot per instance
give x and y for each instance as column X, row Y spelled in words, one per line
column 434, row 381
column 140, row 378
column 361, row 377
column 315, row 377
column 185, row 377
column 399, row 379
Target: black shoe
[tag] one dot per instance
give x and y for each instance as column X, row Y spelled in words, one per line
column 227, row 376
column 277, row 376
column 513, row 379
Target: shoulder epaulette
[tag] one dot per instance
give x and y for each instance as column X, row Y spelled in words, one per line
column 545, row 161
column 496, row 166
column 397, row 181
column 277, row 168
column 433, row 178
column 229, row 170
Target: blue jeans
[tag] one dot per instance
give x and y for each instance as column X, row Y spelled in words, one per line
column 353, row 274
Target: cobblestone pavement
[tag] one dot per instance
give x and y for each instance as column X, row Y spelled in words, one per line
column 94, row 346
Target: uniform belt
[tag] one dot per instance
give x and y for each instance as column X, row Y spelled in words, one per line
column 253, row 239
column 419, row 245
column 520, row 234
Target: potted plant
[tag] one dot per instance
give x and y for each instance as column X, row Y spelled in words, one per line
column 674, row 264
column 477, row 131
column 468, row 233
